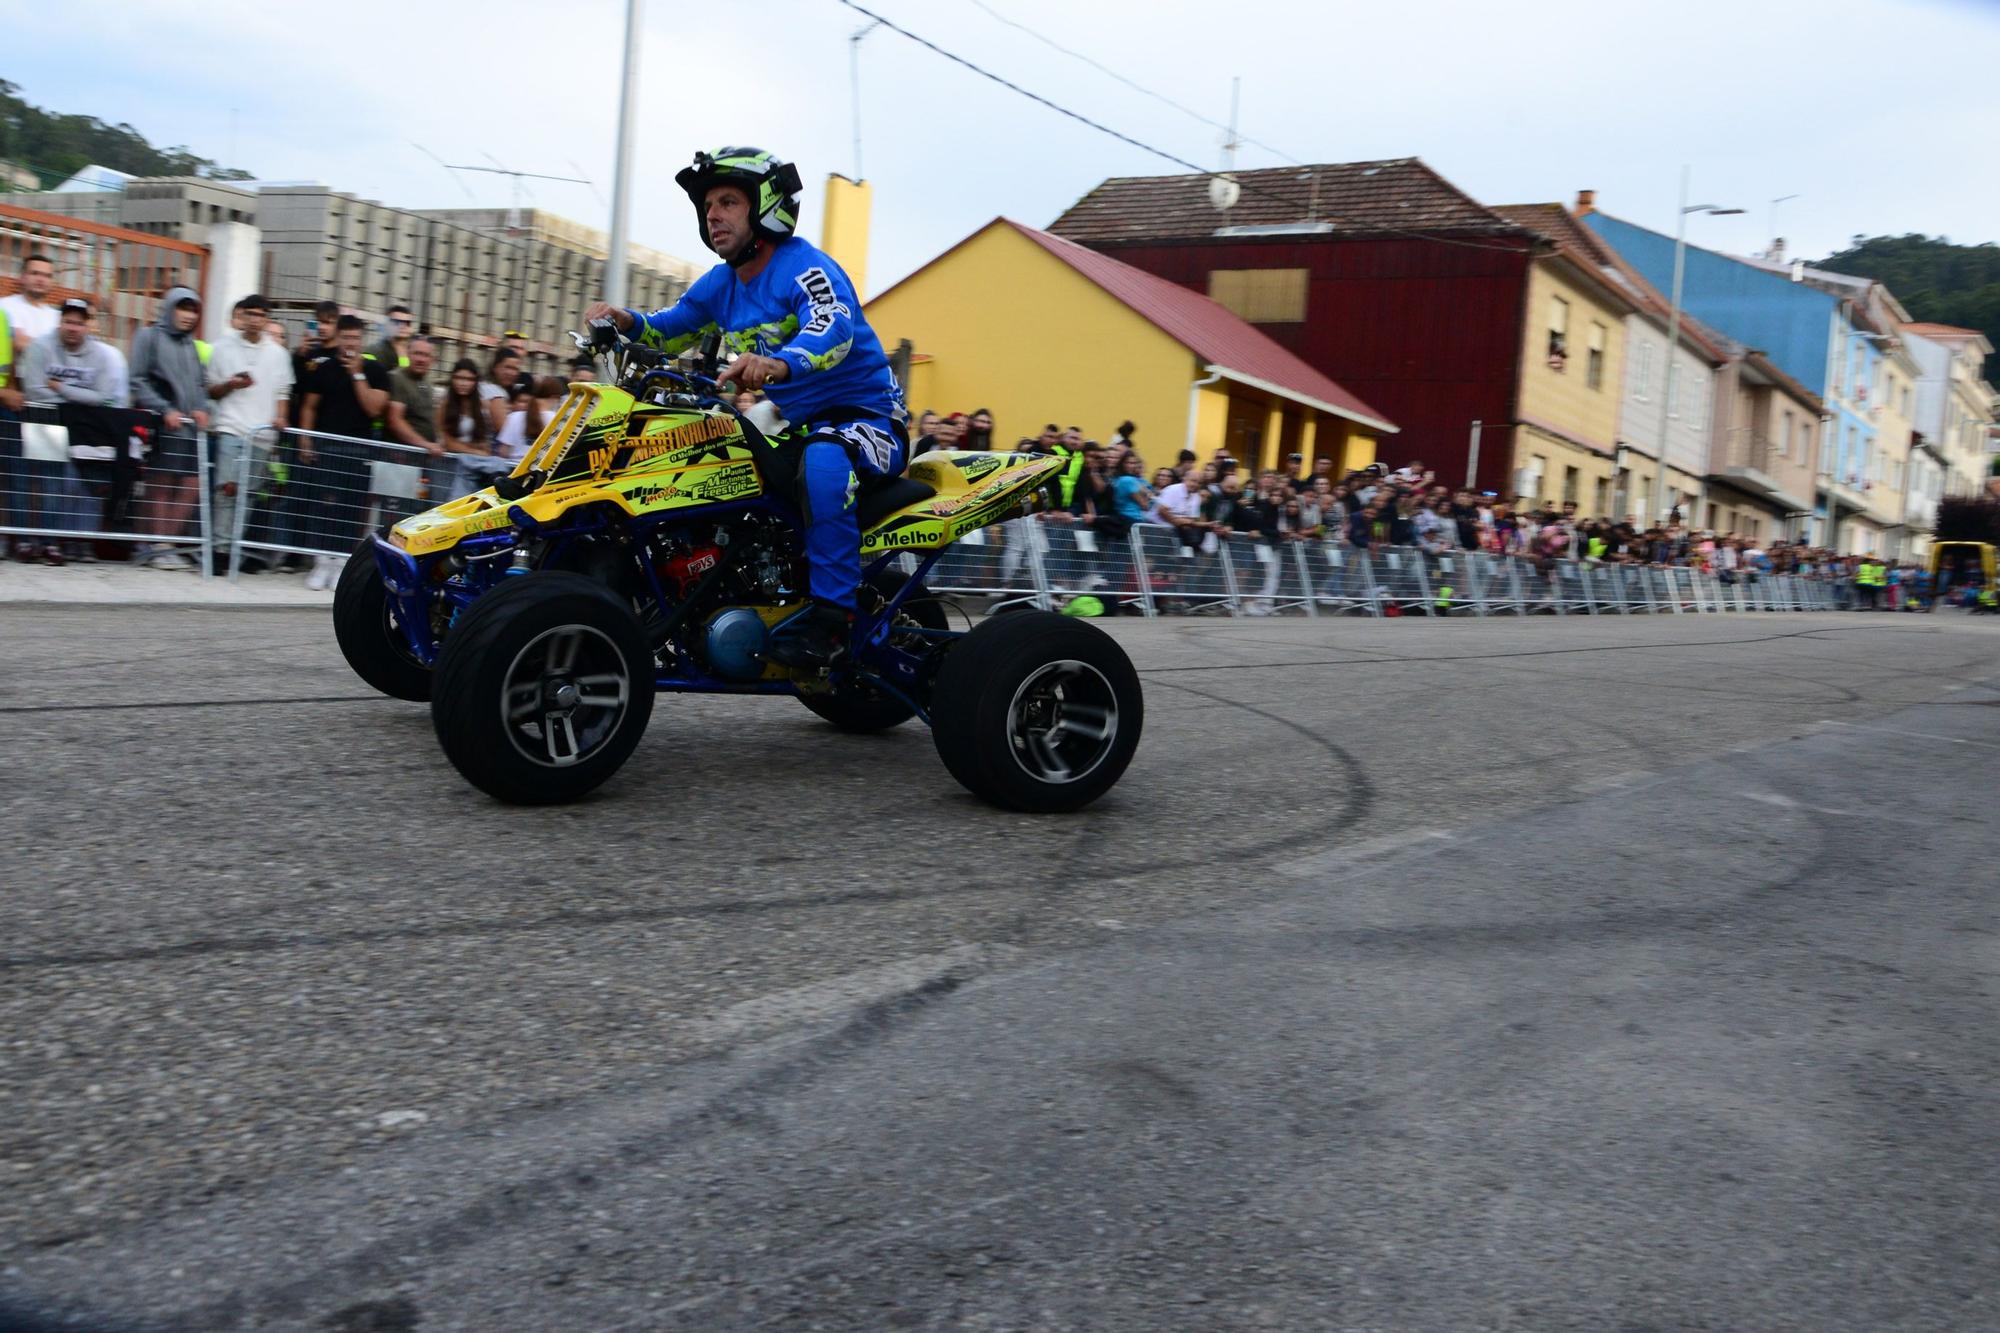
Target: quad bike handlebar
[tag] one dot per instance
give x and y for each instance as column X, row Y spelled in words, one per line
column 637, row 367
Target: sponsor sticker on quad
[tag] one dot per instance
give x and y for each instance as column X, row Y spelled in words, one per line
column 644, row 497
column 625, row 450
column 906, row 537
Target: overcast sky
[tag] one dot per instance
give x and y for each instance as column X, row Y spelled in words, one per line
column 1879, row 114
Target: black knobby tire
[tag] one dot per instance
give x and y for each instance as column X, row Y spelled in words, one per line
column 364, row 626
column 860, row 708
column 1016, row 706
column 499, row 707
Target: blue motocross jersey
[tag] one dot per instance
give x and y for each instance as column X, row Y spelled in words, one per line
column 800, row 309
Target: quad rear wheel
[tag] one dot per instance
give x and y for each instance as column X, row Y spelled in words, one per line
column 1037, row 712
column 543, row 688
column 365, row 627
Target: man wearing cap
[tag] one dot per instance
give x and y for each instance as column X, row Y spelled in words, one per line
column 250, row 385
column 69, row 366
column 169, row 379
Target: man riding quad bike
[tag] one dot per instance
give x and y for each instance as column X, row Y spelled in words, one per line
column 793, row 319
column 653, row 538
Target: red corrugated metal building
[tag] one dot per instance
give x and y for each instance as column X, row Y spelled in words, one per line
column 1382, row 275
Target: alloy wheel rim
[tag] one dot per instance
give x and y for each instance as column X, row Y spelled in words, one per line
column 564, row 695
column 1062, row 722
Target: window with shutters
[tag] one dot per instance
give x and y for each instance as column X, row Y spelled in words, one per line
column 1593, row 371
column 1261, row 295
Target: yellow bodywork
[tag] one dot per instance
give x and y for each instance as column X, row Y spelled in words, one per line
column 1983, row 550
column 597, row 450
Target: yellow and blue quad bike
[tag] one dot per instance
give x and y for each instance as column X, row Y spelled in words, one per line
column 650, row 539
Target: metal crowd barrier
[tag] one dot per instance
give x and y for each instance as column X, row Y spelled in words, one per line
column 309, row 493
column 1150, row 571
column 104, row 483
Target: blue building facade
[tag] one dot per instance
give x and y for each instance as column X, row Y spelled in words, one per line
column 1808, row 331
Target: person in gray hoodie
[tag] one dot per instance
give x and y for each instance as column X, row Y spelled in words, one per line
column 167, row 378
column 68, row 365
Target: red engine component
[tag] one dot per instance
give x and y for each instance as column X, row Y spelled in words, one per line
column 681, row 572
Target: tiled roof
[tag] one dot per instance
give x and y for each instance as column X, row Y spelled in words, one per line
column 1584, row 246
column 1397, row 195
column 1947, row 331
column 1221, row 338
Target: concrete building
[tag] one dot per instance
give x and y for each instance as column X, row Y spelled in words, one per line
column 1954, row 404
column 1765, row 443
column 467, row 274
column 1688, row 392
column 470, row 274
column 1829, row 331
column 180, row 208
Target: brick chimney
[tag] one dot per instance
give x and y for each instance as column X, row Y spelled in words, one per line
column 1586, row 202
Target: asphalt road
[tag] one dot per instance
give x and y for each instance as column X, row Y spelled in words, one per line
column 1613, row 974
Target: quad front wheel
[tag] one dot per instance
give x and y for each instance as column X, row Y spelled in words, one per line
column 543, row 688
column 365, row 627
column 1037, row 711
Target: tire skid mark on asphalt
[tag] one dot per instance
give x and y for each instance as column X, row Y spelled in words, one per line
column 798, row 1063
column 6, row 709
column 1357, row 802
column 255, row 944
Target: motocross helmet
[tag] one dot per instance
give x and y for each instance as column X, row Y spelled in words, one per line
column 771, row 182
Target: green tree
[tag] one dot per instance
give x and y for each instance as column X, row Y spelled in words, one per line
column 1937, row 282
column 55, row 146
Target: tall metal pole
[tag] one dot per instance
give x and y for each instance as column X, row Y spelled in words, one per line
column 1472, row 458
column 621, row 177
column 854, row 89
column 1667, row 385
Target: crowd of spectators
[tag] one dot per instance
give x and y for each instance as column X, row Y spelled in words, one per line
column 295, row 422
column 1111, row 488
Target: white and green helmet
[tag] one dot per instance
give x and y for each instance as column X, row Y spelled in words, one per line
column 771, row 182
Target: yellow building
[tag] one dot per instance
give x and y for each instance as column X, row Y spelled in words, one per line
column 1572, row 374
column 1040, row 330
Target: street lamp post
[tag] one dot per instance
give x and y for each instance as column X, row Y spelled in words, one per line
column 1668, row 385
column 621, row 172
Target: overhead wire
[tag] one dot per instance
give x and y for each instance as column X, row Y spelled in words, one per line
column 1106, row 70
column 1249, row 186
column 1011, row 86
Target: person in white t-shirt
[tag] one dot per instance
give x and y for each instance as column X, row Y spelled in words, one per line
column 250, row 383
column 1180, row 504
column 31, row 312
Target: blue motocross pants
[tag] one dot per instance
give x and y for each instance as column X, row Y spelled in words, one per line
column 836, row 458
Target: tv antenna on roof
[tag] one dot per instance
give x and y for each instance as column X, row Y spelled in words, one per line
column 520, row 188
column 518, row 178
column 1223, row 190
